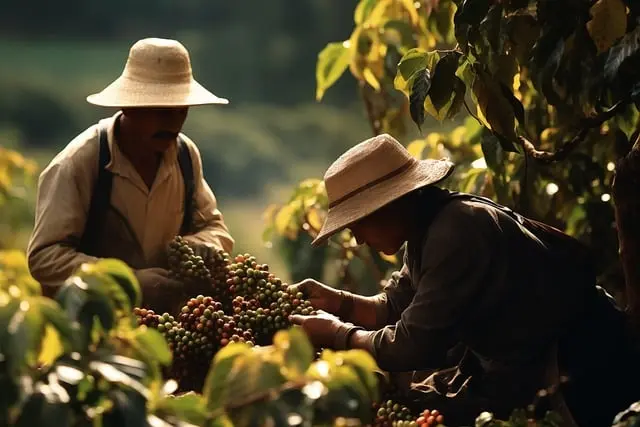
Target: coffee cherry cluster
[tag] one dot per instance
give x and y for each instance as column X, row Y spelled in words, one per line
column 146, row 317
column 430, row 418
column 184, row 264
column 245, row 303
column 390, row 413
column 245, row 277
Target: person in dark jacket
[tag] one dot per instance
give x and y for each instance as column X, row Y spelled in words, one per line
column 517, row 296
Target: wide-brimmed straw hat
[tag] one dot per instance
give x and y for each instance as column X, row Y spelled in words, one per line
column 371, row 175
column 157, row 74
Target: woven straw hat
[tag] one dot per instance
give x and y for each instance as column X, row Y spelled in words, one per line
column 371, row 175
column 157, row 74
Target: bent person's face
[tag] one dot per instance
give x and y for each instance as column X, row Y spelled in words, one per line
column 157, row 128
column 379, row 234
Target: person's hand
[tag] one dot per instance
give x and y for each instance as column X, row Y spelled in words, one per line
column 205, row 250
column 324, row 330
column 321, row 297
column 159, row 291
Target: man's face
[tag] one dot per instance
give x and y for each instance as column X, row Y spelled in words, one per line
column 156, row 128
column 379, row 232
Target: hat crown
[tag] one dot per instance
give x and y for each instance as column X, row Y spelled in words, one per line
column 157, row 60
column 366, row 164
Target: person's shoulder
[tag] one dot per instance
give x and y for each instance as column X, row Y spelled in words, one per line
column 191, row 145
column 79, row 153
column 461, row 211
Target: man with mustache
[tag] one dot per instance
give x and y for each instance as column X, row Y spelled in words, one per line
column 127, row 185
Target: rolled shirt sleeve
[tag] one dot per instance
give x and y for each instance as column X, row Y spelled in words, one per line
column 455, row 260
column 398, row 294
column 61, row 208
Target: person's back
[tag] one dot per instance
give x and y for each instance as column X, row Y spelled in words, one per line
column 536, row 311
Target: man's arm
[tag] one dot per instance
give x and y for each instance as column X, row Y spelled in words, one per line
column 382, row 309
column 61, row 206
column 456, row 258
column 208, row 221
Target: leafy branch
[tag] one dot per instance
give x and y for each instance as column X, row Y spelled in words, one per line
column 566, row 147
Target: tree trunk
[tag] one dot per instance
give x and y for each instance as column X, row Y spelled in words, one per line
column 626, row 196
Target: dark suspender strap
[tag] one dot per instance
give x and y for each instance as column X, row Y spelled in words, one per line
column 186, row 168
column 100, row 197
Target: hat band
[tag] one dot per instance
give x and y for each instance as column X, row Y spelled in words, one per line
column 375, row 182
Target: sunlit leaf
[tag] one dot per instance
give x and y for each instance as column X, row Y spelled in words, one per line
column 409, row 6
column 285, row 219
column 371, row 79
column 124, row 276
column 415, row 148
column 188, row 407
column 51, row 346
column 215, row 385
column 296, row 349
column 251, row 376
column 363, row 9
column 608, row 23
column 333, row 60
column 410, row 65
column 495, row 108
column 153, row 344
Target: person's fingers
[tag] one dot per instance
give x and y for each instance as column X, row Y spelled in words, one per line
column 305, row 286
column 297, row 319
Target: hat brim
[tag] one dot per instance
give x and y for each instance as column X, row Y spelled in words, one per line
column 125, row 92
column 421, row 174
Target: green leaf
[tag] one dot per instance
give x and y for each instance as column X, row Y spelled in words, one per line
column 129, row 409
column 215, row 383
column 25, row 329
column 468, row 17
column 186, row 407
column 623, row 53
column 365, row 366
column 250, row 377
column 363, row 9
column 413, row 61
column 54, row 315
column 518, row 109
column 333, row 60
column 402, row 29
column 466, row 73
column 416, row 148
column 496, row 109
column 117, row 377
column 492, row 151
column 348, row 395
column 98, row 279
column 443, row 81
column 83, row 301
column 419, row 91
column 46, row 408
column 491, row 26
column 411, row 65
column 609, row 23
column 296, row 350
column 523, row 31
column 134, row 368
column 123, row 275
column 549, row 72
column 153, row 344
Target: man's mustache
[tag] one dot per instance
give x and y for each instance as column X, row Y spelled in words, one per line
column 165, row 134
